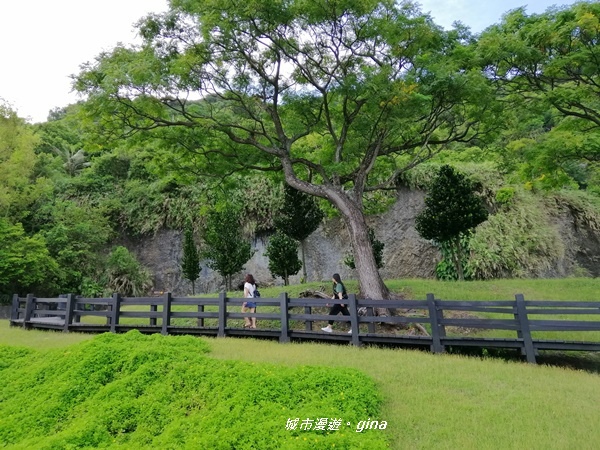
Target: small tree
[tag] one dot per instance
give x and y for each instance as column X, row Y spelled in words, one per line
column 377, row 252
column 282, row 252
column 299, row 217
column 451, row 211
column 226, row 249
column 190, row 265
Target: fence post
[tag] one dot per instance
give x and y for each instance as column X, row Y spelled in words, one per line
column 222, row 314
column 29, row 307
column 14, row 311
column 201, row 319
column 76, row 318
column 524, row 328
column 436, row 345
column 354, row 319
column 284, row 337
column 116, row 309
column 70, row 306
column 153, row 308
column 308, row 324
column 166, row 314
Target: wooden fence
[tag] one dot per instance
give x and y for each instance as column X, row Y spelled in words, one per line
column 519, row 322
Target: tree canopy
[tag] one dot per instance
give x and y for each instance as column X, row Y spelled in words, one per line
column 550, row 63
column 341, row 97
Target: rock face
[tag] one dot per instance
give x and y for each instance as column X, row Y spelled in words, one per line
column 406, row 254
column 581, row 241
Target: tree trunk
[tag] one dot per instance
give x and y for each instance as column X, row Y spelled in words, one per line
column 304, row 274
column 371, row 283
column 458, row 256
column 349, row 204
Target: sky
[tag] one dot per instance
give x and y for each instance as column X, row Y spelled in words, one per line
column 44, row 42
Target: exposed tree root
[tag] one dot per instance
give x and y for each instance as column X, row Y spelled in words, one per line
column 415, row 328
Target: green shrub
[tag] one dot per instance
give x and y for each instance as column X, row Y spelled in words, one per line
column 137, row 391
column 505, row 195
column 124, row 274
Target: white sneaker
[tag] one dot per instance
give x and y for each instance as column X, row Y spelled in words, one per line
column 327, row 329
column 350, row 331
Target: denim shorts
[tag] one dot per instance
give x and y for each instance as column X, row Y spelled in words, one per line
column 250, row 305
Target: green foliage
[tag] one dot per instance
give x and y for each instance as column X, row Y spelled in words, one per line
column 517, row 241
column 282, row 252
column 451, row 208
column 190, row 265
column 259, row 199
column 125, row 275
column 548, row 67
column 25, row 263
column 377, row 246
column 225, row 247
column 299, row 216
column 76, row 236
column 446, row 269
column 91, row 288
column 136, row 391
column 553, row 54
column 18, row 188
column 147, row 207
column 451, row 211
column 505, row 195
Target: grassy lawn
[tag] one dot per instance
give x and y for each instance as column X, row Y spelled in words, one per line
column 449, row 401
column 438, row 401
column 430, row 401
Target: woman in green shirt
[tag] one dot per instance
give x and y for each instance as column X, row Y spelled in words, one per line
column 339, row 292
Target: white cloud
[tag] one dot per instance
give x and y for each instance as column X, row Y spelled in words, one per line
column 43, row 42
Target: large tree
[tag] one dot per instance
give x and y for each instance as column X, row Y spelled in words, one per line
column 551, row 62
column 339, row 96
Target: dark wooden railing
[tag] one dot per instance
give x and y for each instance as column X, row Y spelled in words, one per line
column 294, row 319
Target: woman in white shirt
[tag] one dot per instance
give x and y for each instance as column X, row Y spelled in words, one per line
column 249, row 306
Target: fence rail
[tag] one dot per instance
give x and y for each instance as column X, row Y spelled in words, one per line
column 295, row 319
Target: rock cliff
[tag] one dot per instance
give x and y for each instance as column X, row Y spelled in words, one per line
column 406, row 254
